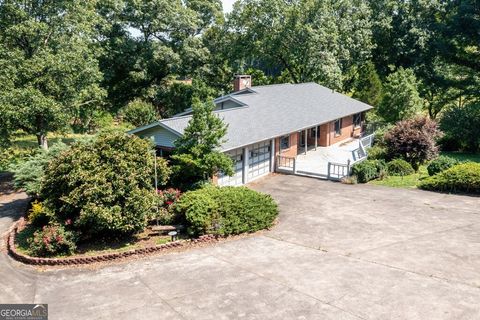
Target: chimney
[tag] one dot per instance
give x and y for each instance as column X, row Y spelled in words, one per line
column 241, row 82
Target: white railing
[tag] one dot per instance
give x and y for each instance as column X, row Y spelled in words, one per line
column 286, row 164
column 337, row 171
column 367, row 141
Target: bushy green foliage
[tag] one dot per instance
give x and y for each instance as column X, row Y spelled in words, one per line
column 226, row 210
column 463, row 177
column 105, row 186
column 413, row 140
column 139, row 113
column 377, row 152
column 440, row 164
column 368, row 87
column 196, row 155
column 399, row 167
column 52, row 240
column 29, row 173
column 401, row 99
column 462, row 124
column 12, row 156
column 368, row 170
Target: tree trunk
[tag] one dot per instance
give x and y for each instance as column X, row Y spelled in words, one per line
column 42, row 141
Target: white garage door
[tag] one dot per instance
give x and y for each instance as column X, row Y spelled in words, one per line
column 236, row 179
column 259, row 160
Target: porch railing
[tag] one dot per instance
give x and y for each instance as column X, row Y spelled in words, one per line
column 367, row 141
column 286, row 164
column 337, row 171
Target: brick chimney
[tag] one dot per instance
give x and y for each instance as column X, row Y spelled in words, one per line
column 241, row 82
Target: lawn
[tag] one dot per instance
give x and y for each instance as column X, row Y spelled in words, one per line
column 411, row 181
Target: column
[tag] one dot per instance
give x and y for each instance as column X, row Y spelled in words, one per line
column 245, row 165
column 272, row 155
column 306, row 140
column 316, row 137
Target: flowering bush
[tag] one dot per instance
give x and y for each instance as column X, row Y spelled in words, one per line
column 167, row 199
column 52, row 240
column 37, row 215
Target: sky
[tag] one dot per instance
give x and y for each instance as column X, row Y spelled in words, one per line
column 227, row 5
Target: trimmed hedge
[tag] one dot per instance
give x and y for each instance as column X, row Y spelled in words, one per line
column 368, row 170
column 440, row 164
column 463, row 177
column 226, row 210
column 399, row 167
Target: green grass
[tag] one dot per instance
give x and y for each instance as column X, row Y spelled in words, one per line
column 461, row 156
column 411, row 181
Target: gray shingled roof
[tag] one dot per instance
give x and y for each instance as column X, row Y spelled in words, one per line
column 276, row 110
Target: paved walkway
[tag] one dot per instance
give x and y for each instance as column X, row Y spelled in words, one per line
column 338, row 252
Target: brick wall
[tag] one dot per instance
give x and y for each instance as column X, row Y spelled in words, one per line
column 292, row 150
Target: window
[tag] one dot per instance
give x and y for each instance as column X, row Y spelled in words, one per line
column 285, row 142
column 357, row 120
column 338, row 127
column 312, row 132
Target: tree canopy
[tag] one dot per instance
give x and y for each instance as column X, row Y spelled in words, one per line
column 63, row 63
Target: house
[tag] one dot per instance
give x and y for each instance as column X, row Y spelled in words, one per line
column 270, row 122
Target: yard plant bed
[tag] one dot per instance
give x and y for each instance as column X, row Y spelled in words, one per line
column 95, row 253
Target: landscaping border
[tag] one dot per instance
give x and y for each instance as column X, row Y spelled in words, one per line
column 73, row 261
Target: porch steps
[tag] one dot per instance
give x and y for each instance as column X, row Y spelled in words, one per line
column 311, row 174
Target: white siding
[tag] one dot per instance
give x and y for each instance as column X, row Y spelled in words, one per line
column 160, row 136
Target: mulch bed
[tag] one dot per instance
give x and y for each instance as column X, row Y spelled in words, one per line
column 109, row 258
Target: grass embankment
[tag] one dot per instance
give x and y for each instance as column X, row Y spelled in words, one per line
column 412, row 180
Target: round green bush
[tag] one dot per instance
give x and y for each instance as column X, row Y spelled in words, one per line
column 226, row 210
column 399, row 167
column 104, row 186
column 139, row 113
column 440, row 164
column 463, row 177
column 368, row 170
column 377, row 153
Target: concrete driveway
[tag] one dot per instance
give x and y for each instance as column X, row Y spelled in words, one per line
column 338, row 252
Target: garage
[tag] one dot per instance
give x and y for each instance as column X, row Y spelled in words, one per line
column 237, row 178
column 259, row 160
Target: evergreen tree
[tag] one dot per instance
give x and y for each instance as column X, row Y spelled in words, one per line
column 197, row 152
column 400, row 99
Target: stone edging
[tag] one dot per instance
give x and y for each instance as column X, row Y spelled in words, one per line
column 12, row 250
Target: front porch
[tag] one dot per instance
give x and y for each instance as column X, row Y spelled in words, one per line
column 333, row 162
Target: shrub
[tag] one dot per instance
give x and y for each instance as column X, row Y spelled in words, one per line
column 413, row 140
column 37, row 215
column 167, row 200
column 226, row 210
column 440, row 164
column 399, row 167
column 463, row 125
column 463, row 177
column 12, row 156
column 52, row 240
column 368, row 170
column 29, row 174
column 104, row 186
column 377, row 153
column 139, row 113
